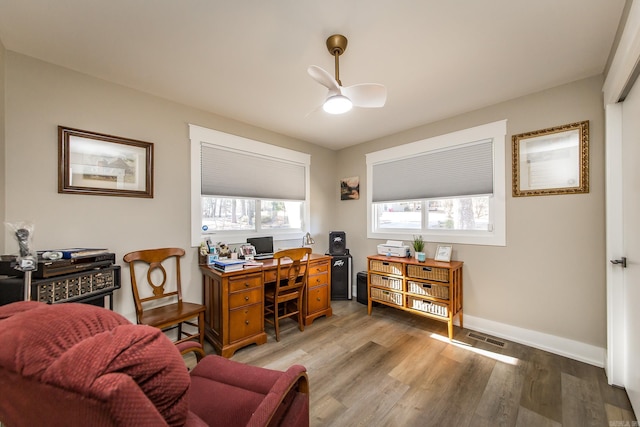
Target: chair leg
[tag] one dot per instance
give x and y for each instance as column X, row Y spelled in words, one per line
column 300, row 319
column 276, row 322
column 201, row 329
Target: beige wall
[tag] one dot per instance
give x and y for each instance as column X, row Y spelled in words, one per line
column 41, row 96
column 550, row 277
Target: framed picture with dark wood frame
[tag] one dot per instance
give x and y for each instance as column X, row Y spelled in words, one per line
column 551, row 161
column 105, row 165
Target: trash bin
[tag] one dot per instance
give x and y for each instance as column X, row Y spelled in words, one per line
column 362, row 287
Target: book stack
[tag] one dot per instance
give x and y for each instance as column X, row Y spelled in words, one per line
column 81, row 252
column 227, row 265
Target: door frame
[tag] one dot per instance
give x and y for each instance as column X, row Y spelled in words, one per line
column 619, row 80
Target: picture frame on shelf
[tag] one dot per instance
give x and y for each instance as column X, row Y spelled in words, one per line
column 443, row 253
column 104, row 165
column 248, row 252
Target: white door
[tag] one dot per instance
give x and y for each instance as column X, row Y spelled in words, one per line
column 630, row 291
column 623, row 244
column 622, row 100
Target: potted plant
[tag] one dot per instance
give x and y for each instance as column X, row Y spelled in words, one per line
column 418, row 248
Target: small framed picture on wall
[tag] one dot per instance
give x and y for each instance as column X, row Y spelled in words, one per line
column 350, row 188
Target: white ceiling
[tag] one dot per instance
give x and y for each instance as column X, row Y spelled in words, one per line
column 248, row 59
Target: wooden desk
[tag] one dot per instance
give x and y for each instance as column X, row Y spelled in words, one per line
column 234, row 317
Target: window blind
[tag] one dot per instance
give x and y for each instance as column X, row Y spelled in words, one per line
column 233, row 173
column 458, row 171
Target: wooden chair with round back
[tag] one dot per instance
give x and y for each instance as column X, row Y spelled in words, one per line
column 164, row 308
column 285, row 298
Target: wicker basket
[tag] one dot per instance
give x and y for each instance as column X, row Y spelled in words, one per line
column 386, row 267
column 431, row 307
column 428, row 289
column 386, row 296
column 429, row 273
column 387, row 282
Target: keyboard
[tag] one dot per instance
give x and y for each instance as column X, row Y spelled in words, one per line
column 263, row 256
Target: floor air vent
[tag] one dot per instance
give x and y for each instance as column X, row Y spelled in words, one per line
column 488, row 340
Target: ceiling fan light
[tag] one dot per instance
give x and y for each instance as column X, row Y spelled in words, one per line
column 337, row 104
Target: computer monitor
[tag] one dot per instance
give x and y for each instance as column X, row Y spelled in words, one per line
column 263, row 245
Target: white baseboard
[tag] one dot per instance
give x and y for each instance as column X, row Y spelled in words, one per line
column 580, row 351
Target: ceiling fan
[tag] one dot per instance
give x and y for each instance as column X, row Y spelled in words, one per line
column 341, row 99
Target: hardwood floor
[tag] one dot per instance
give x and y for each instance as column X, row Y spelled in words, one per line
column 396, row 369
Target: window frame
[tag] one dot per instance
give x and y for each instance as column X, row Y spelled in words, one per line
column 200, row 135
column 496, row 235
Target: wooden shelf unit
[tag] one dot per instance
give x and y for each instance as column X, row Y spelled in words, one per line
column 431, row 288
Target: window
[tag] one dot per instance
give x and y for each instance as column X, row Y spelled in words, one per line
column 450, row 188
column 243, row 188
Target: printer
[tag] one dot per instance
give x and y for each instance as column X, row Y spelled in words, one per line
column 394, row 248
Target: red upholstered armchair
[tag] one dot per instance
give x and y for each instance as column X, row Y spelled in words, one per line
column 81, row 365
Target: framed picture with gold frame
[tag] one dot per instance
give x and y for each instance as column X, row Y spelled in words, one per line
column 551, row 161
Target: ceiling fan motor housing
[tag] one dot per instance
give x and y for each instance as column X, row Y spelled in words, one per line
column 337, row 44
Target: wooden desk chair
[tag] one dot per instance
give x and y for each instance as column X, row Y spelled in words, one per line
column 284, row 299
column 168, row 315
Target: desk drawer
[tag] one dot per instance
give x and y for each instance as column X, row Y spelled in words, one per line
column 240, row 283
column 318, row 279
column 245, row 322
column 238, row 299
column 318, row 268
column 270, row 276
column 317, row 298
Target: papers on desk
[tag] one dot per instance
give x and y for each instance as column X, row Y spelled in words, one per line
column 228, row 264
column 249, row 264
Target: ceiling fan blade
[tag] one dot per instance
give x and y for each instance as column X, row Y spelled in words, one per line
column 324, row 78
column 367, row 95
